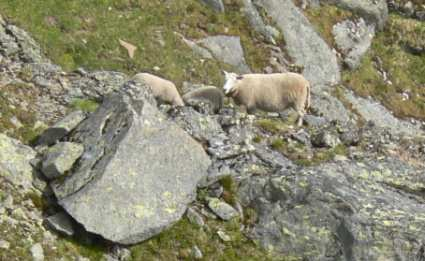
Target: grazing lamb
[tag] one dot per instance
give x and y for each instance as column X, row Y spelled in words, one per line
column 163, row 90
column 269, row 92
column 209, row 94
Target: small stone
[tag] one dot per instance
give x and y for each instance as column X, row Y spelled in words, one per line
column 60, row 158
column 223, row 236
column 16, row 122
column 302, row 136
column 314, row 121
column 222, row 209
column 197, row 254
column 8, row 202
column 19, row 214
column 61, row 222
column 194, row 217
column 37, row 252
column 4, row 244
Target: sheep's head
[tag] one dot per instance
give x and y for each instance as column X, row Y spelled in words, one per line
column 231, row 79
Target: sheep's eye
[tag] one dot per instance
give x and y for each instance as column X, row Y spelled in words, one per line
column 240, row 77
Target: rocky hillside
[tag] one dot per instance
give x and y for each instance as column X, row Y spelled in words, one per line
column 92, row 168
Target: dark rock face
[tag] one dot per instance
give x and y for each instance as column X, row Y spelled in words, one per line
column 346, row 211
column 137, row 173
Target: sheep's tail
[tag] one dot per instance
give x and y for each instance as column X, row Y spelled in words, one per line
column 308, row 100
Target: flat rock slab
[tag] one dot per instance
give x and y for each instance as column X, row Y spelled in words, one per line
column 138, row 173
column 15, row 160
column 227, row 49
column 303, row 44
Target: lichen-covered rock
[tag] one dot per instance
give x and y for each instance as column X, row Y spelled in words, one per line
column 61, row 128
column 138, row 171
column 371, row 210
column 15, row 164
column 227, row 49
column 60, row 158
column 325, row 138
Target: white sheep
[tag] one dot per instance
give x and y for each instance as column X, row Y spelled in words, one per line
column 269, row 92
column 163, row 90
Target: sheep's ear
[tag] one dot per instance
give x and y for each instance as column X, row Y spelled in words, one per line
column 239, row 77
column 225, row 73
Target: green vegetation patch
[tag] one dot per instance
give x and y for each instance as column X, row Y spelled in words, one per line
column 405, row 71
column 177, row 242
column 86, row 34
column 84, row 105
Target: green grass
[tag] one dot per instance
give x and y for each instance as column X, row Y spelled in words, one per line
column 273, row 126
column 80, row 33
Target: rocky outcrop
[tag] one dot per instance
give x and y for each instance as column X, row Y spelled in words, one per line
column 353, row 39
column 269, row 33
column 375, row 11
column 303, row 44
column 15, row 159
column 346, row 211
column 373, row 111
column 137, row 173
column 227, row 49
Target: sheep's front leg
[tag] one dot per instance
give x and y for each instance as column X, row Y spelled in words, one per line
column 301, row 113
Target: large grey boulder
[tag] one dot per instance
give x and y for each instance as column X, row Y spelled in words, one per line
column 374, row 11
column 138, row 171
column 227, row 49
column 371, row 210
column 303, row 44
column 60, row 158
column 215, row 4
column 353, row 39
column 15, row 164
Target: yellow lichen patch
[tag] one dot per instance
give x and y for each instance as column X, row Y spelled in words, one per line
column 141, row 211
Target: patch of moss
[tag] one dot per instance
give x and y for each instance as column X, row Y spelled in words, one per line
column 277, row 144
column 86, row 105
column 257, row 139
column 230, row 189
column 176, row 243
column 272, row 126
